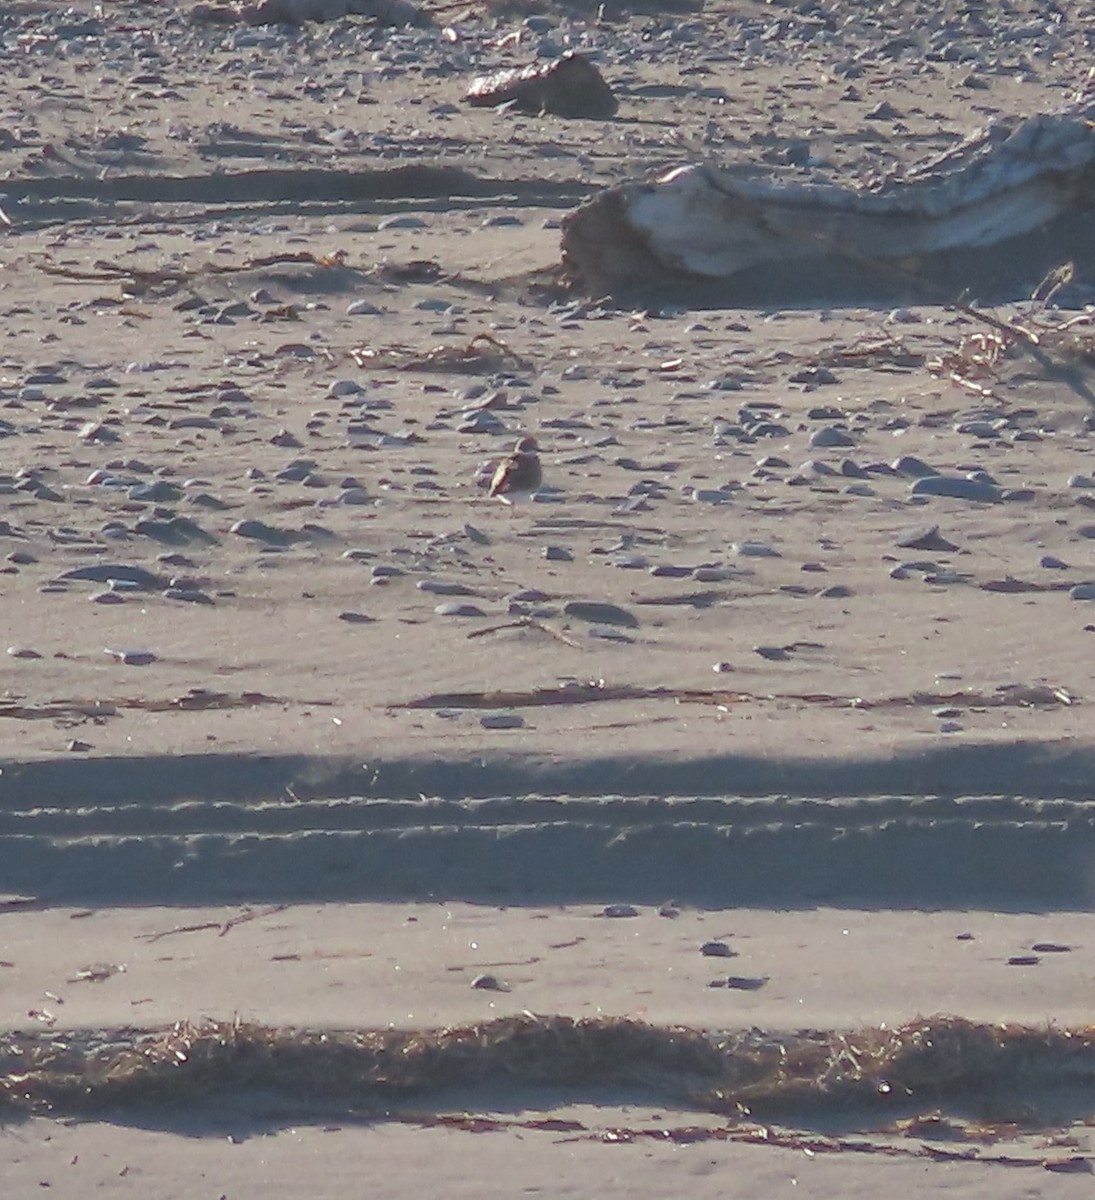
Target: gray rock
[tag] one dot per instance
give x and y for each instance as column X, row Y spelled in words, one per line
column 502, row 721
column 443, row 587
column 912, row 467
column 259, row 531
column 137, row 577
column 609, row 633
column 925, row 537
column 600, row 613
column 956, row 488
column 188, row 595
column 25, row 652
column 175, row 531
column 459, row 610
column 363, row 308
column 829, row 436
column 132, row 658
column 619, row 910
column 160, row 492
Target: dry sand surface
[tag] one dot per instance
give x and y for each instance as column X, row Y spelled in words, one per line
column 300, row 727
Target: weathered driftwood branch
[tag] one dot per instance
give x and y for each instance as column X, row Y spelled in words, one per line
column 699, row 223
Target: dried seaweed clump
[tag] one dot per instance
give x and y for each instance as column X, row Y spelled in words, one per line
column 944, row 1058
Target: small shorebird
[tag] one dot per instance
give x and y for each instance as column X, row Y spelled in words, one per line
column 518, row 477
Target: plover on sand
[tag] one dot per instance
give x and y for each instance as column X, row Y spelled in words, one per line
column 519, row 476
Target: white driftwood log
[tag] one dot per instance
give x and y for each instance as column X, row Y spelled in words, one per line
column 700, row 223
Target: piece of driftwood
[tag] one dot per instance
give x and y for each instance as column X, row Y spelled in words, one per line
column 569, row 86
column 957, row 218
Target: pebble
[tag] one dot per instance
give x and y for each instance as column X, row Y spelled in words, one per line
column 444, row 587
column 482, row 420
column 23, row 652
column 984, row 430
column 188, row 595
column 344, row 387
column 717, row 950
column 132, row 658
column 829, row 436
column 137, row 577
column 609, row 633
column 502, row 721
column 160, row 492
column 754, row 550
column 600, row 613
column 1083, row 591
column 175, row 531
column 619, row 910
column 459, row 610
column 488, row 983
column 557, row 554
column 402, row 221
column 925, row 537
column 913, row 467
column 772, row 653
column 363, row 308
column 956, row 488
column 259, row 531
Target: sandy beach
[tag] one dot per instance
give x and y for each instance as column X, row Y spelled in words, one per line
column 737, row 729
